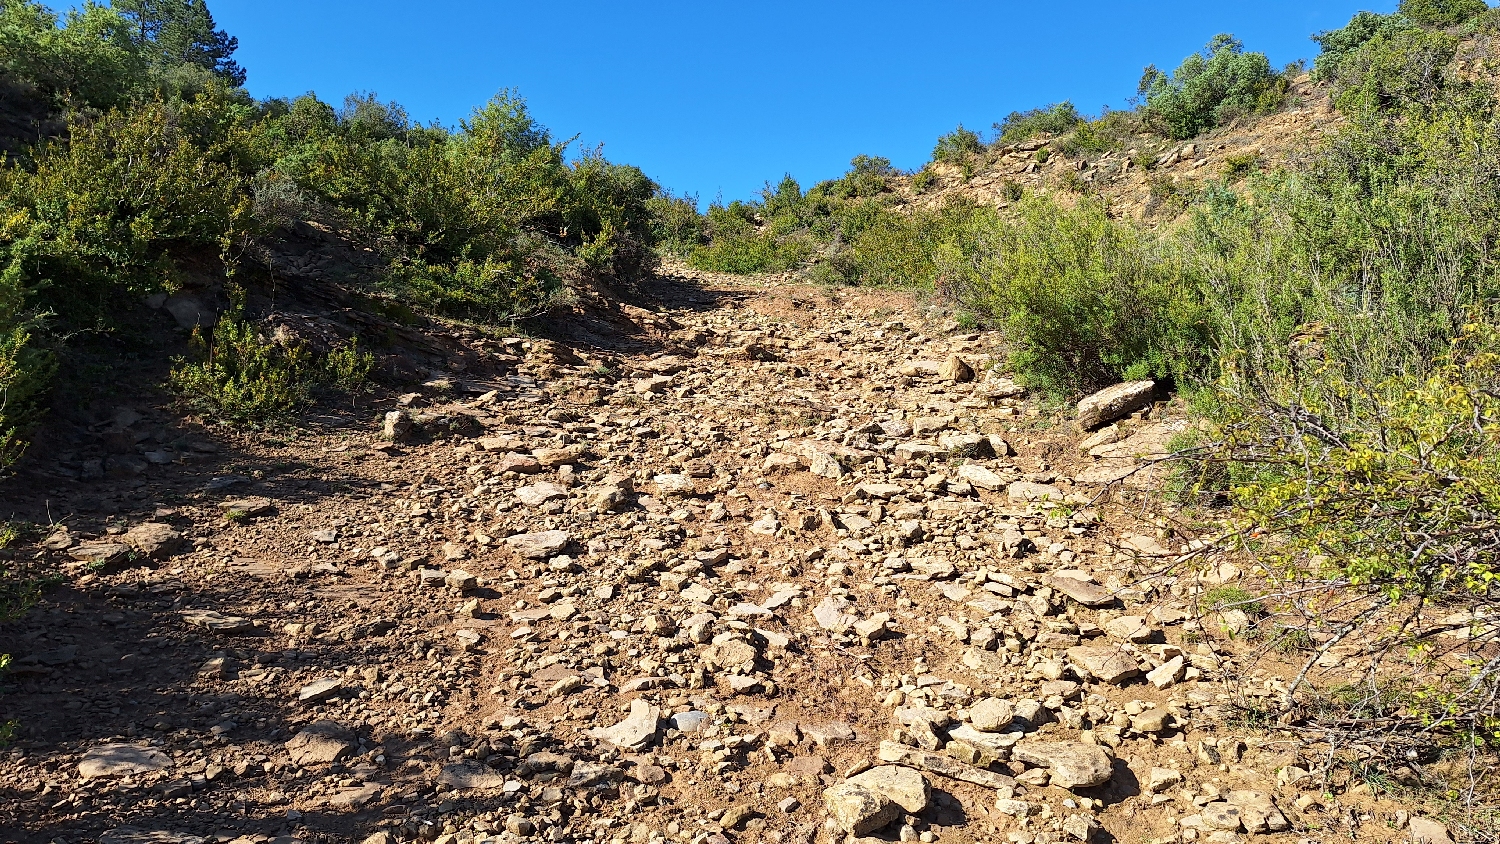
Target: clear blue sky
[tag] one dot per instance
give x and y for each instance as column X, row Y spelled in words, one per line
column 715, row 98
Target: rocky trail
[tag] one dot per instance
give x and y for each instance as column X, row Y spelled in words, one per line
column 799, row 569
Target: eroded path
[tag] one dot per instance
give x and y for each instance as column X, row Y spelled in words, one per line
column 678, row 596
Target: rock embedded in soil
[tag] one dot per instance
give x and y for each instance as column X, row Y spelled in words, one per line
column 154, row 540
column 637, row 731
column 320, row 743
column 901, row 785
column 1104, row 663
column 1111, row 403
column 992, row 715
column 539, row 546
column 119, row 760
column 1072, row 764
column 858, row 810
column 320, row 690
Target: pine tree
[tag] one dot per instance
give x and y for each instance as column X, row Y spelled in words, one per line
column 184, row 32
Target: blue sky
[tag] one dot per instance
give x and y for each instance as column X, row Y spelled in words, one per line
column 715, row 98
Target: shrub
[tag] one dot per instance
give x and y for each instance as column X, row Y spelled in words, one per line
column 923, row 180
column 1210, row 88
column 1083, row 300
column 1088, row 139
column 1240, row 165
column 238, row 377
column 1442, row 13
column 100, row 217
column 1396, row 69
column 1338, row 44
column 1393, row 520
column 739, row 244
column 677, row 227
column 900, row 249
column 1054, row 119
column 957, row 146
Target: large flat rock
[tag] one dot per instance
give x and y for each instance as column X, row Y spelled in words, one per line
column 121, row 760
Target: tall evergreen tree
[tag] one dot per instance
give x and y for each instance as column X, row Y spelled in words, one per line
column 184, row 32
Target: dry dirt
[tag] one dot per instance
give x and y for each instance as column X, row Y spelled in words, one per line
column 767, row 542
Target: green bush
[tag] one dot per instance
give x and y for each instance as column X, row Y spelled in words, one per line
column 1397, row 515
column 1210, row 88
column 957, row 147
column 1083, row 300
column 1337, row 44
column 1442, row 13
column 1088, row 139
column 238, row 377
column 1396, row 69
column 1054, row 119
column 99, row 216
column 739, row 243
column 677, row 227
column 901, row 248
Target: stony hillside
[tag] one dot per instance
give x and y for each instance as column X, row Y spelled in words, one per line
column 777, row 565
column 1142, row 181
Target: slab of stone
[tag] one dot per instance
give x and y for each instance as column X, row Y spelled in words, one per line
column 980, row 476
column 120, row 760
column 241, row 508
column 154, row 540
column 539, row 546
column 320, row 690
column 100, row 552
column 831, row 616
column 1111, row 403
column 135, row 835
column 535, row 495
column 470, row 775
column 1088, row 594
column 229, row 625
column 901, row 785
column 1258, row 812
column 1103, row 663
column 1131, row 628
column 858, row 810
column 1161, row 779
column 636, row 732
column 1167, row 673
column 945, row 766
column 1072, row 764
column 1428, row 831
column 992, row 715
column 320, row 743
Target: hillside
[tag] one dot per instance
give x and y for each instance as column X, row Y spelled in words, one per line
column 1145, row 193
column 1122, row 478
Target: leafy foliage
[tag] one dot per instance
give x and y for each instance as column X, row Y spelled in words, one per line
column 156, row 166
column 1083, row 300
column 1053, row 119
column 1397, row 520
column 1210, row 88
column 1441, row 13
column 241, row 378
column 1337, row 44
column 957, row 146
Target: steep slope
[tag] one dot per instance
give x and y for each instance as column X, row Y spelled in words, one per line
column 778, row 571
column 1148, row 180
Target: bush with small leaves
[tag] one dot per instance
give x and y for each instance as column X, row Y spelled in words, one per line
column 1210, row 88
column 1441, row 14
column 957, row 147
column 1054, row 120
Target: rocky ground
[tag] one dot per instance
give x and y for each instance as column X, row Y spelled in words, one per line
column 794, row 567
